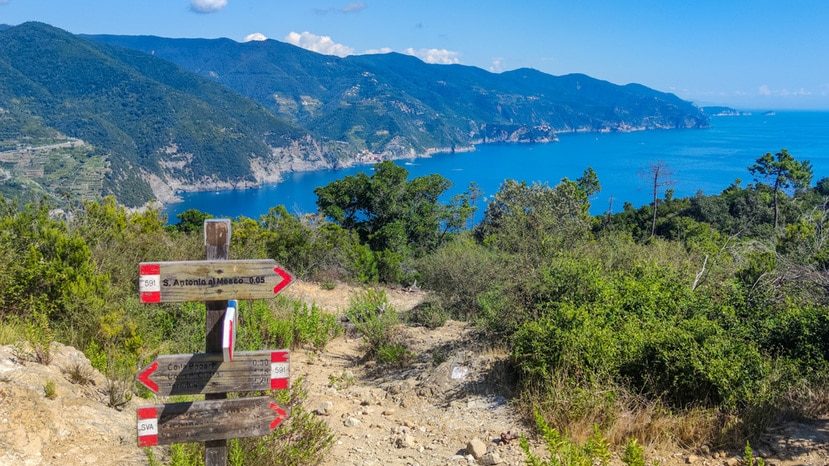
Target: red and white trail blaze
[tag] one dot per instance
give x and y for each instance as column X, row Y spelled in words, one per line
column 280, row 372
column 147, row 427
column 149, row 283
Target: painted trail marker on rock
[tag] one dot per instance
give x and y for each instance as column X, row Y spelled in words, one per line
column 202, row 421
column 219, row 283
column 202, row 373
column 210, row 280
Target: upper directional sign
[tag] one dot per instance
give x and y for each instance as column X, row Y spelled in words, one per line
column 174, row 282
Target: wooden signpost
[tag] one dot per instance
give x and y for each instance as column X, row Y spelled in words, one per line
column 219, row 369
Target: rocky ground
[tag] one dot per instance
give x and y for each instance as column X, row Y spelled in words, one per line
column 75, row 427
column 453, row 393
column 449, row 406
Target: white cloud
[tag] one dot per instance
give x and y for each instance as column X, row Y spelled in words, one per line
column 377, row 51
column 497, row 65
column 207, row 6
column 766, row 91
column 351, row 8
column 439, row 56
column 354, row 7
column 320, row 44
column 256, row 36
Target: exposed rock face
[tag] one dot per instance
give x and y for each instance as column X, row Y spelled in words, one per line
column 74, row 428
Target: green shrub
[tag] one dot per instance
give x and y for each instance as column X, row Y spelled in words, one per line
column 50, row 390
column 38, row 338
column 561, row 451
column 313, row 248
column 11, row 331
column 460, row 272
column 634, row 454
column 393, row 354
column 533, row 221
column 430, row 314
column 375, row 318
column 285, row 323
column 697, row 361
column 568, row 340
column 749, row 459
column 313, row 326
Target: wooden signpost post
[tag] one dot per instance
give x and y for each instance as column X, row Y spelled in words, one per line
column 219, row 369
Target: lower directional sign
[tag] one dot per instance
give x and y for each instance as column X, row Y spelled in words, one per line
column 202, row 421
column 192, row 374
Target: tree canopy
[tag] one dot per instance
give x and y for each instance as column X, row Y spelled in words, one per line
column 781, row 172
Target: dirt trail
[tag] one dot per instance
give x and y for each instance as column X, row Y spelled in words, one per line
column 423, row 414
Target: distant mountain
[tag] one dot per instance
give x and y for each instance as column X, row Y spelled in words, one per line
column 719, row 111
column 158, row 126
column 396, row 104
column 142, row 117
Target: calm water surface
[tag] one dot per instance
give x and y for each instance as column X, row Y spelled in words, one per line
column 706, row 160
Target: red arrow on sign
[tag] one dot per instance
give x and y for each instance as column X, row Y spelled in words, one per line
column 286, row 280
column 280, row 415
column 144, row 377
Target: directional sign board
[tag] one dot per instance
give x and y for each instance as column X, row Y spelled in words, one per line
column 210, row 280
column 201, row 373
column 202, row 421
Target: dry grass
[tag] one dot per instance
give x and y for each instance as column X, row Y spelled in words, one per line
column 11, row 332
column 78, row 374
column 118, row 393
column 622, row 415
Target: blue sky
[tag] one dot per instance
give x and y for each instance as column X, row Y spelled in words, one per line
column 749, row 54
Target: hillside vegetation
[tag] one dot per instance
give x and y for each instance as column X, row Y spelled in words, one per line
column 703, row 327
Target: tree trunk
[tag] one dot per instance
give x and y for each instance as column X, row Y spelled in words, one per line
column 776, row 189
column 655, row 193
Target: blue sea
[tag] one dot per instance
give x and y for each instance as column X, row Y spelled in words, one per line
column 700, row 160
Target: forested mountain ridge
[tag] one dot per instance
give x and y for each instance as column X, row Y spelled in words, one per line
column 395, row 104
column 157, row 126
column 143, row 117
